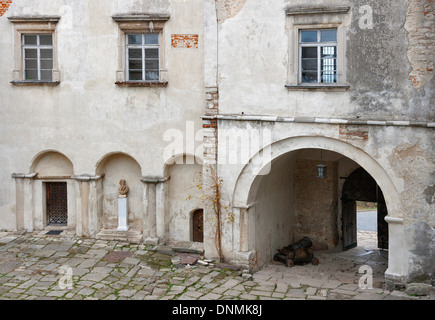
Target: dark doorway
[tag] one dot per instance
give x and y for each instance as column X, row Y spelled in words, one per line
column 198, row 226
column 360, row 186
column 57, row 204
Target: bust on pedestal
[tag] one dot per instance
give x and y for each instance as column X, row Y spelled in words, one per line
column 122, row 206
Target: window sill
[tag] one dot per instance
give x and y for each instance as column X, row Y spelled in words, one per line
column 307, row 87
column 141, row 84
column 35, row 83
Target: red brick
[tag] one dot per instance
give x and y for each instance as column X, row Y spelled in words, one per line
column 186, row 41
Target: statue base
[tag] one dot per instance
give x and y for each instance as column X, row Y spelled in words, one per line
column 122, row 214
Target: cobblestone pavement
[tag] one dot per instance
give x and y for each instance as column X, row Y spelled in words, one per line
column 36, row 266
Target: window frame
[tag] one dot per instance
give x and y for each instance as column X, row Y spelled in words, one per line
column 34, row 25
column 318, row 44
column 143, row 46
column 313, row 17
column 38, row 46
column 140, row 24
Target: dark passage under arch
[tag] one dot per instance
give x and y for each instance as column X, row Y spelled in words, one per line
column 360, row 186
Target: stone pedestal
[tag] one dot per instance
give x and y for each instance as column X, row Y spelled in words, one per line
column 122, row 214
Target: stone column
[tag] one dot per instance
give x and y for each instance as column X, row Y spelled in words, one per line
column 397, row 257
column 242, row 256
column 24, row 201
column 244, row 230
column 162, row 222
column 86, row 207
column 155, row 213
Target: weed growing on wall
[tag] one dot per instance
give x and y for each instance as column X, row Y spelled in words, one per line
column 211, row 197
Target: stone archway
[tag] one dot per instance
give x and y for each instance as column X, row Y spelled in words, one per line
column 184, row 174
column 360, row 186
column 251, row 178
column 34, row 195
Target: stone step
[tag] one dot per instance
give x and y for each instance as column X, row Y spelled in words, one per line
column 126, row 236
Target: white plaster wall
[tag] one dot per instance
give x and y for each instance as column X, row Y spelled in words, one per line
column 52, row 164
column 87, row 116
column 274, row 210
column 254, row 65
column 184, row 196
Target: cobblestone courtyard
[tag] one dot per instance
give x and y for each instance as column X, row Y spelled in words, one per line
column 37, row 266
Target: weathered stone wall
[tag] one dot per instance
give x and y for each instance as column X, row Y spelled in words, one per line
column 381, row 57
column 316, row 203
column 420, row 22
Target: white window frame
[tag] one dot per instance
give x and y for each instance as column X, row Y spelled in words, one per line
column 143, row 46
column 318, row 45
column 38, row 48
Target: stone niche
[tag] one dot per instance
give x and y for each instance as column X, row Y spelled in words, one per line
column 114, row 168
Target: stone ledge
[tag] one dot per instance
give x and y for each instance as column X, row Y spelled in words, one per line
column 140, row 17
column 305, row 10
column 35, row 83
column 301, row 87
column 127, row 236
column 315, row 120
column 34, row 18
column 141, row 84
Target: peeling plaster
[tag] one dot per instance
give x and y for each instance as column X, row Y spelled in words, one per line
column 229, row 8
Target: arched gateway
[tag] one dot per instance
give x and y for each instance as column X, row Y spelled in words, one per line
column 262, row 204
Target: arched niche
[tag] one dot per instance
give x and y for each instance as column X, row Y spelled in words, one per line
column 184, row 192
column 52, row 164
column 113, row 168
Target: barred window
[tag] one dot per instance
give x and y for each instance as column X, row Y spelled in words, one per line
column 37, row 57
column 142, row 57
column 318, row 56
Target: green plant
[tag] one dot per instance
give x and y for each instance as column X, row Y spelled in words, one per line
column 211, row 189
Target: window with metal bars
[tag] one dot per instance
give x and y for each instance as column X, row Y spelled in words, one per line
column 142, row 57
column 37, row 57
column 318, row 56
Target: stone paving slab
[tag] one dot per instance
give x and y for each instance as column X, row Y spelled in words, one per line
column 34, row 266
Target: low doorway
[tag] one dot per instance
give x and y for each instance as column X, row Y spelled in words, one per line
column 198, row 225
column 56, row 203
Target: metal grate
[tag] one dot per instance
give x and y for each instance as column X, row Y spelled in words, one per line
column 57, row 204
column 54, row 232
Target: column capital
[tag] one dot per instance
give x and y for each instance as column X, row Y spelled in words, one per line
column 86, row 177
column 153, row 179
column 24, row 175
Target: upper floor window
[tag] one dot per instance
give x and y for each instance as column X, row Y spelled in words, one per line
column 35, row 50
column 317, row 46
column 37, row 57
column 142, row 57
column 318, row 56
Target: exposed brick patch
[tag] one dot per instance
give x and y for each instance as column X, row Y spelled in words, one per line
column 212, row 101
column 4, row 6
column 421, row 50
column 186, row 41
column 353, row 133
column 209, row 123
